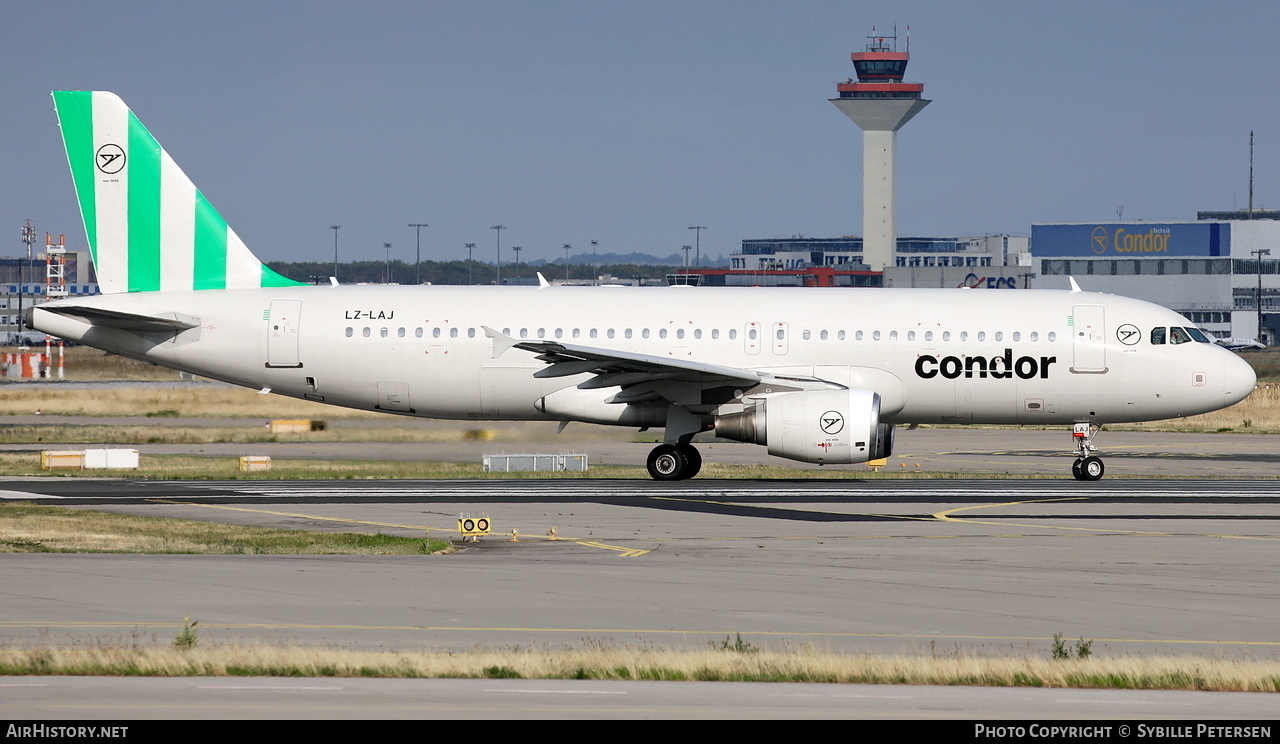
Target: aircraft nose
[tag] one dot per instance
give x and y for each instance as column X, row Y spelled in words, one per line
column 1238, row 380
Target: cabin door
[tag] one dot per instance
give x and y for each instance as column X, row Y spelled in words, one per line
column 282, row 333
column 1089, row 339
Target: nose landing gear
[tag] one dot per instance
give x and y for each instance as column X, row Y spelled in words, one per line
column 1087, row 466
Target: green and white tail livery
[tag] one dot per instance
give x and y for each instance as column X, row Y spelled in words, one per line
column 149, row 228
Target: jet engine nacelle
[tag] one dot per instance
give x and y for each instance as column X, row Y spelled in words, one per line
column 826, row 426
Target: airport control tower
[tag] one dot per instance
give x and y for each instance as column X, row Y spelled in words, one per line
column 880, row 103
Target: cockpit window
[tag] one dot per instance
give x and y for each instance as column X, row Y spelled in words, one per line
column 1198, row 335
column 1179, row 336
column 1157, row 336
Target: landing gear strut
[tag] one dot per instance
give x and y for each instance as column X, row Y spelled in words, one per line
column 1087, row 467
column 674, row 461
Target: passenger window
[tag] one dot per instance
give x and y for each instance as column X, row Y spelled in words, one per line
column 627, row 333
column 875, row 335
column 823, row 335
column 1017, row 336
column 857, row 336
column 559, row 333
column 524, row 333
column 982, row 335
column 609, row 333
column 999, row 335
column 350, row 331
column 928, row 335
column 1157, row 336
column 400, row 333
column 752, row 334
column 697, row 333
column 964, row 336
column 893, row 335
column 1035, row 336
column 471, row 333
column 946, row 335
column 644, row 333
column 593, row 333
column 679, row 333
column 383, row 333
column 417, row 332
column 1053, row 336
column 840, row 336
column 733, row 334
column 715, row 333
column 911, row 335
column 366, row 331
column 453, row 332
column 435, row 333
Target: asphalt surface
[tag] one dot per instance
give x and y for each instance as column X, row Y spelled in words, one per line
column 982, row 566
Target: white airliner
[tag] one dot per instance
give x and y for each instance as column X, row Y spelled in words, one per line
column 815, row 375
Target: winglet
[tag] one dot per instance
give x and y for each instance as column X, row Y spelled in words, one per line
column 501, row 341
column 1074, row 287
column 542, row 280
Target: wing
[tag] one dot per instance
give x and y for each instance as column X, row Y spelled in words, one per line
column 646, row 377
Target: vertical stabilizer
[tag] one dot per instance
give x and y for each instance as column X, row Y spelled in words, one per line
column 149, row 228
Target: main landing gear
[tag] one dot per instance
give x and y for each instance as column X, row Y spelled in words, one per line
column 1088, row 466
column 674, row 461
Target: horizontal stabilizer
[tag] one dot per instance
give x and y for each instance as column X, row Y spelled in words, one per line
column 159, row 323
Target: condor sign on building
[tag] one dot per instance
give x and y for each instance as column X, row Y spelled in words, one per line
column 1207, row 270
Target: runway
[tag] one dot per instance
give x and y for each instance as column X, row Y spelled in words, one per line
column 993, row 565
column 917, row 567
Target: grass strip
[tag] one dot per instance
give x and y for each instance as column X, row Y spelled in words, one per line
column 31, row 528
column 601, row 661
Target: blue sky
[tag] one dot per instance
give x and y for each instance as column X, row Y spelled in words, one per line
column 626, row 122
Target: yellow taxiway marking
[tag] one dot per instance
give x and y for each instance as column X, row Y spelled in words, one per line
column 945, row 516
column 204, row 624
column 623, row 552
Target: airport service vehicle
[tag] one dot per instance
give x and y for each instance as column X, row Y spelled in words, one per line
column 815, row 375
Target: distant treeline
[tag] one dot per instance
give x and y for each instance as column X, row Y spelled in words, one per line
column 456, row 272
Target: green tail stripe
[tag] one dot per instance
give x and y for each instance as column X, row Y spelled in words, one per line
column 144, row 208
column 271, row 279
column 210, row 264
column 75, row 115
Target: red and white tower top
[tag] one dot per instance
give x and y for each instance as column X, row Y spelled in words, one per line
column 880, row 71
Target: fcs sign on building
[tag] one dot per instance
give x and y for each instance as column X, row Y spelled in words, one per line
column 1131, row 240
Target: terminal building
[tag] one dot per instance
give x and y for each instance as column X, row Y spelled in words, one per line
column 1220, row 274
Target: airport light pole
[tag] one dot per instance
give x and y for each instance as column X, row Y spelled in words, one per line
column 386, row 279
column 566, row 262
column 469, row 247
column 499, row 228
column 697, row 240
column 595, row 266
column 335, row 229
column 28, row 237
column 517, row 249
column 417, row 264
column 686, row 249
column 1260, row 253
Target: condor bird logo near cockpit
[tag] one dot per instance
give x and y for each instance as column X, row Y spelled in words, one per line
column 180, row 289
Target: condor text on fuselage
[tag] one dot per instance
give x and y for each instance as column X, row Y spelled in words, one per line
column 1001, row 367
